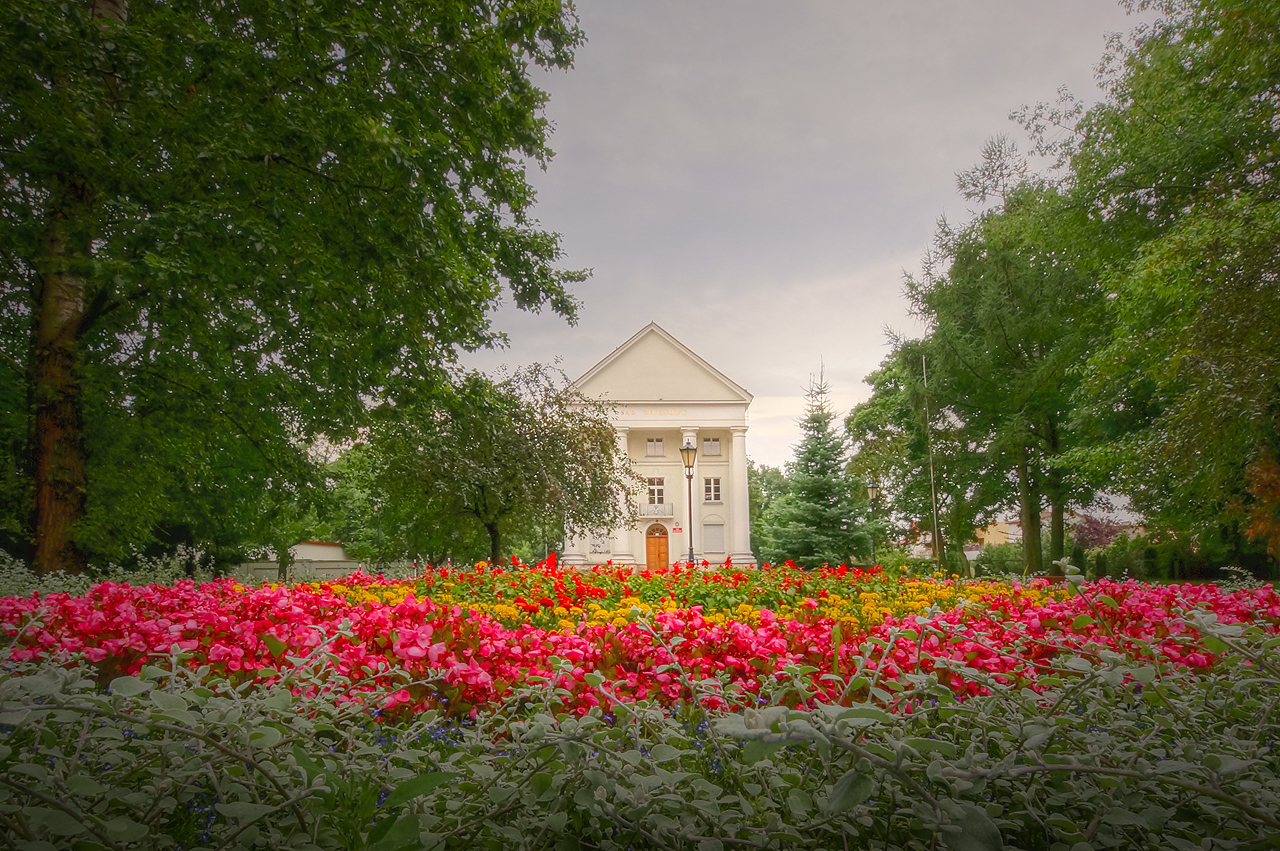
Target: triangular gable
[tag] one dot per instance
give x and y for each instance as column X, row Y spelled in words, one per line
column 653, row 366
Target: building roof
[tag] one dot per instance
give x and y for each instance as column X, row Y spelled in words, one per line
column 653, row 366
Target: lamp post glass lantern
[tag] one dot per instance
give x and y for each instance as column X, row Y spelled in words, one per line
column 689, row 453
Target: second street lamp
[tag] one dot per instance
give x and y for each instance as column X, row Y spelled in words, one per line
column 689, row 453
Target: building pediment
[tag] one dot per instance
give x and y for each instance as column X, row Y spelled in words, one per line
column 653, row 366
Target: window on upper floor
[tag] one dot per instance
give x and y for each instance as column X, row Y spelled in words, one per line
column 710, row 446
column 653, row 447
column 711, row 489
column 657, row 488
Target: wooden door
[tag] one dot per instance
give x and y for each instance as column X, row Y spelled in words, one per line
column 656, row 553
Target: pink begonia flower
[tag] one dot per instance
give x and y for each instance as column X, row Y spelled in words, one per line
column 120, row 627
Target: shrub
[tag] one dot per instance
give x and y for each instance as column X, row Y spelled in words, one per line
column 999, row 560
column 1108, row 753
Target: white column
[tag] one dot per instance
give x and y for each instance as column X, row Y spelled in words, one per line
column 739, row 500
column 576, row 551
column 623, row 539
column 694, row 518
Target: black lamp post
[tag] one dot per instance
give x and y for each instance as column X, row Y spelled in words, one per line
column 689, row 453
column 873, row 491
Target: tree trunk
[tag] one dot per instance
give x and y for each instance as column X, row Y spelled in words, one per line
column 495, row 543
column 1029, row 504
column 57, row 440
column 1057, row 535
column 1056, row 491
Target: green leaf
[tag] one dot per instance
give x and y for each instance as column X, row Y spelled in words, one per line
column 125, row 829
column 540, row 783
column 1216, row 645
column 869, row 712
column 1146, row 674
column 309, row 766
column 13, row 718
column 1082, row 621
column 1226, row 764
column 128, row 686
column 402, row 835
column 58, row 822
column 243, row 811
column 849, row 791
column 1124, row 816
column 977, row 831
column 265, row 737
column 924, row 745
column 168, row 702
column 663, row 753
column 78, row 784
column 416, row 786
column 799, row 802
column 756, row 750
column 275, row 645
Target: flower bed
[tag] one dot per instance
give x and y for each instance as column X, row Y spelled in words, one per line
column 458, row 640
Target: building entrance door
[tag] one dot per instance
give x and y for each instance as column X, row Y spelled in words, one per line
column 656, row 552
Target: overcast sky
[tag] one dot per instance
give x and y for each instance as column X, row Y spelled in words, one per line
column 756, row 175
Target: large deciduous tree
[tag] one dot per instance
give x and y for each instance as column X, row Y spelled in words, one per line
column 1013, row 307
column 1014, row 310
column 928, row 464
column 227, row 225
column 1179, row 168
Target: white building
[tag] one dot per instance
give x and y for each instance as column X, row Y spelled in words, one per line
column 667, row 396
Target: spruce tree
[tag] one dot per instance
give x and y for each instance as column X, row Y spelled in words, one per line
column 816, row 522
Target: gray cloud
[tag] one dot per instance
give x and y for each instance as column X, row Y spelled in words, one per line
column 755, row 175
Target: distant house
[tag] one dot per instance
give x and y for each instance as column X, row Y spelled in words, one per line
column 667, row 396
column 311, row 560
column 1000, row 532
column 318, row 551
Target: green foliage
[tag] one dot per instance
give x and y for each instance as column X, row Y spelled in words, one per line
column 18, row 580
column 764, row 485
column 819, row 518
column 1013, row 309
column 232, row 224
column 460, row 469
column 1112, row 754
column 1177, row 167
column 999, row 560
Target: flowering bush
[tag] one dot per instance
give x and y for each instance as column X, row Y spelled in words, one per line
column 458, row 640
column 667, row 713
column 1110, row 754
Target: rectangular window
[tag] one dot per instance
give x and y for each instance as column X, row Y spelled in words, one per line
column 713, row 537
column 711, row 489
column 656, row 488
column 653, row 447
column 710, row 446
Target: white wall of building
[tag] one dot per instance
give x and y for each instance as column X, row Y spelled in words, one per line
column 665, row 395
